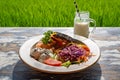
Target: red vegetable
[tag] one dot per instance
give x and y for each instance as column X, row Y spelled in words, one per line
column 86, row 48
column 52, row 62
column 71, row 53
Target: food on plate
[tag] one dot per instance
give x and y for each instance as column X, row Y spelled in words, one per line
column 53, row 62
column 58, row 49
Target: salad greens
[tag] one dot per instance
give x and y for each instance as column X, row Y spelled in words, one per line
column 66, row 64
column 46, row 39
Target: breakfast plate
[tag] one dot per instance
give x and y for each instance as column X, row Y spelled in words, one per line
column 24, row 54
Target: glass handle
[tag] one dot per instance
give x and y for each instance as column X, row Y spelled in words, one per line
column 94, row 22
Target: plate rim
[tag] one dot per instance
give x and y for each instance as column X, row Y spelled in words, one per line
column 55, row 72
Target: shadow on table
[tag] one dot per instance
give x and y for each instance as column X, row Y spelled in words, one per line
column 24, row 72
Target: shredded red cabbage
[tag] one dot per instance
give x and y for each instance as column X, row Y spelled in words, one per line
column 71, row 53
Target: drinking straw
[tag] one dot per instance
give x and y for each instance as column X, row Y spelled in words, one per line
column 76, row 6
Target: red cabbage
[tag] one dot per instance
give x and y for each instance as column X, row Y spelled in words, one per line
column 71, row 53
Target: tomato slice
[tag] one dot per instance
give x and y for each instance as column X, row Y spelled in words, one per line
column 52, row 62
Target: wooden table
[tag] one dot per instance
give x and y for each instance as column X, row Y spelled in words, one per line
column 12, row 68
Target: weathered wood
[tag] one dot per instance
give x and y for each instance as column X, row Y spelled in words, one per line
column 12, row 68
column 24, row 72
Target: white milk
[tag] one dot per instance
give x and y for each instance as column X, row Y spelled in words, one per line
column 81, row 28
column 81, row 23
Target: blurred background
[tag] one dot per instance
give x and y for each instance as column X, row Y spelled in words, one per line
column 57, row 13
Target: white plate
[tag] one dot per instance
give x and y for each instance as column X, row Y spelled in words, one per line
column 24, row 54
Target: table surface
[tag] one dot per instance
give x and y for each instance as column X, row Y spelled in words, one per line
column 12, row 68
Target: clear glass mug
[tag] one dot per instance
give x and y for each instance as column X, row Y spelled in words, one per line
column 81, row 24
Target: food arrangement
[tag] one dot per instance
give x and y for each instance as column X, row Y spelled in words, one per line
column 58, row 49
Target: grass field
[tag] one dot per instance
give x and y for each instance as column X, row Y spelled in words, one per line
column 57, row 12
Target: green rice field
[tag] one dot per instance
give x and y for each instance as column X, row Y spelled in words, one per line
column 60, row 13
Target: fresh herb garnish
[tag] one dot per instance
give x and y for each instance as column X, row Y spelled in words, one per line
column 46, row 39
column 66, row 64
column 75, row 62
column 54, row 56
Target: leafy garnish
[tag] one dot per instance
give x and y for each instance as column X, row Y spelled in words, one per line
column 75, row 62
column 46, row 39
column 66, row 64
column 54, row 56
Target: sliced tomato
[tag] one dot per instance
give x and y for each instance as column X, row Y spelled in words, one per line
column 52, row 62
